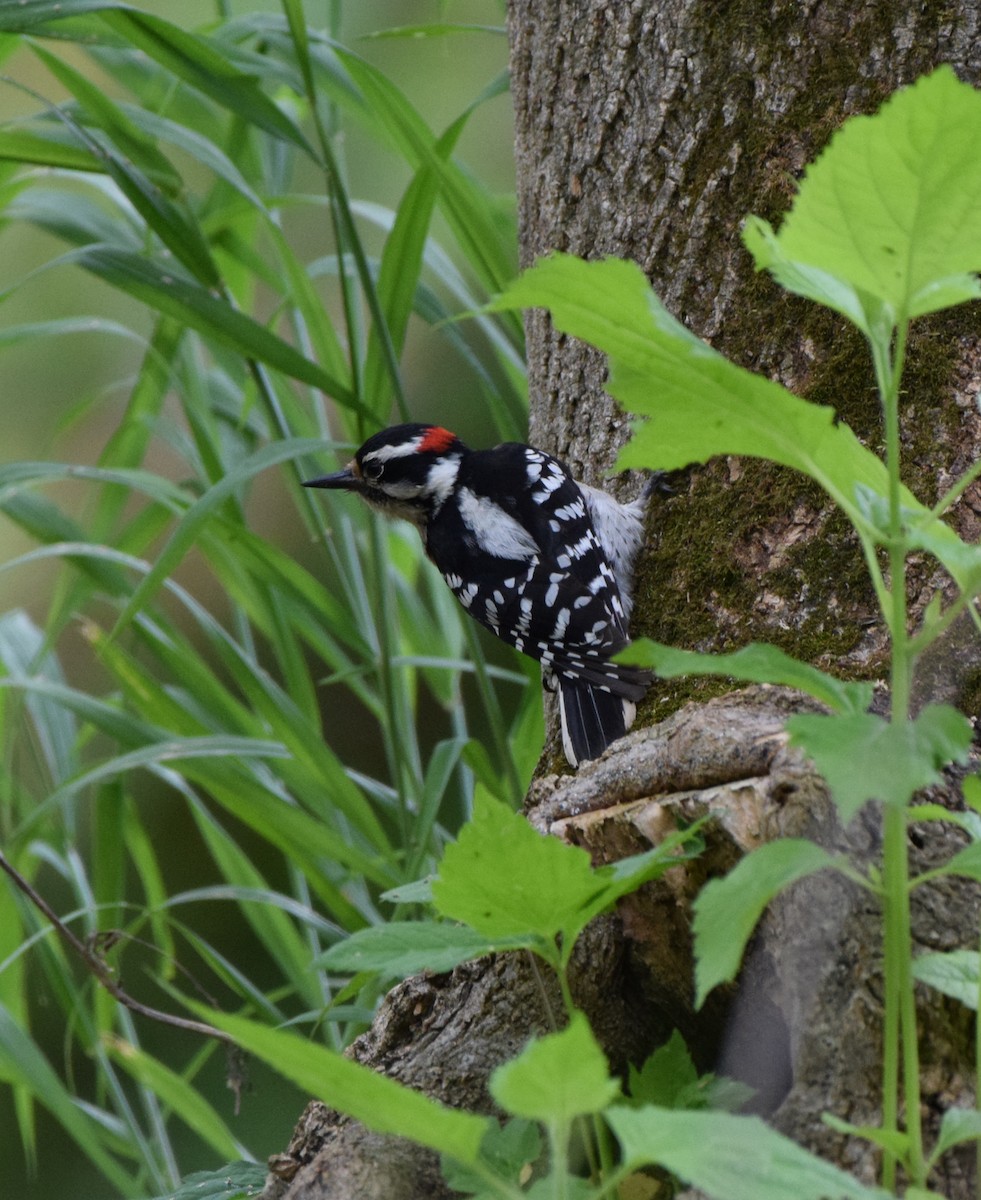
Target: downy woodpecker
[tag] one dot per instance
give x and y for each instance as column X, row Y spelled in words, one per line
column 542, row 561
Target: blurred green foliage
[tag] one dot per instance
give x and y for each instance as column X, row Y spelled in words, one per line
column 232, row 243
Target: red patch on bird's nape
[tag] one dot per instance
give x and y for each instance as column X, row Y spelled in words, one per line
column 436, row 439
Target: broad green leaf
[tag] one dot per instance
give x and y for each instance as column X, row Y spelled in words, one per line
column 505, row 880
column 557, row 1077
column 371, row 1098
column 405, row 947
column 755, row 663
column 863, row 310
column 953, row 972
column 666, row 1075
column 235, row 1181
column 923, row 531
column 891, row 205
column 698, row 404
column 864, row 757
column 972, row 793
column 727, row 910
column 730, row 1157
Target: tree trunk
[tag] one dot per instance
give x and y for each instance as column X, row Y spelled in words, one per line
column 649, row 132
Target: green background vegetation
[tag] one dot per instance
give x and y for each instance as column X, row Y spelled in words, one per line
column 237, row 892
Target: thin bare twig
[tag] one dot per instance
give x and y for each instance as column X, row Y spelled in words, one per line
column 102, row 972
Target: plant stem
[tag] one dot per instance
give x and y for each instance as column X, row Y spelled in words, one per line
column 899, row 1026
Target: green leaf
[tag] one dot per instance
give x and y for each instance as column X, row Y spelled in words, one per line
column 863, row 310
column 21, row 1062
column 405, row 947
column 894, row 1141
column 953, row 972
column 698, row 403
column 198, row 514
column 25, row 16
column 922, row 531
column 557, row 1077
column 419, row 891
column 958, row 1125
column 507, row 1149
column 965, row 862
column 48, row 147
column 755, row 663
column 184, row 1100
column 891, row 207
column 666, row 1074
column 371, row 1098
column 864, row 757
column 236, row 1181
column 727, row 910
column 197, row 61
column 730, row 1157
column 194, row 305
column 505, row 880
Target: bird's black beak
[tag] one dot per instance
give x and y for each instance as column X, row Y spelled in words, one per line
column 346, row 479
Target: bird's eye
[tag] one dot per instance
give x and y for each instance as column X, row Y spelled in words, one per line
column 372, row 470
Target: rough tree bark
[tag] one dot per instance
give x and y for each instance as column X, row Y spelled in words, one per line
column 649, row 131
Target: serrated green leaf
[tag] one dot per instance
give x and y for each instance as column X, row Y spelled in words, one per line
column 377, row 1101
column 727, row 910
column 863, row 310
column 664, row 1076
column 505, row 880
column 864, row 757
column 891, row 204
column 755, row 663
column 405, row 947
column 557, row 1077
column 730, row 1157
column 698, row 404
column 953, row 972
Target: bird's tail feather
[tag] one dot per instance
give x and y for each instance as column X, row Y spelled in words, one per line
column 592, row 718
